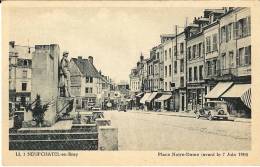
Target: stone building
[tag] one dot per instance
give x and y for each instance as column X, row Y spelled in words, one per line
column 20, row 73
column 86, row 82
column 179, row 72
column 234, row 61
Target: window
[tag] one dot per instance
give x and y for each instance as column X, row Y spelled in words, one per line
column 170, row 70
column 170, row 53
column 182, row 66
column 214, row 67
column 201, row 72
column 165, row 86
column 165, row 72
column 215, row 42
column 231, row 58
column 240, row 56
column 175, row 67
column 25, row 62
column 24, row 86
column 243, row 27
column 158, row 55
column 249, row 25
column 223, row 63
column 229, row 31
column 165, row 55
column 175, row 51
column 248, row 55
column 169, row 86
column 182, row 48
column 195, row 74
column 200, row 49
column 89, row 79
column 24, row 74
column 189, row 53
column 194, row 51
column 223, row 34
column 209, row 68
column 182, row 82
column 190, row 74
column 235, row 30
column 88, row 90
column 208, row 44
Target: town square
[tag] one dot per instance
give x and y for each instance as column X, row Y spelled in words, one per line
column 145, row 79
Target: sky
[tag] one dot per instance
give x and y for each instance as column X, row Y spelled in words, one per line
column 115, row 37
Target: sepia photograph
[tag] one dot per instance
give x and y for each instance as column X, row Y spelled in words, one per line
column 132, row 78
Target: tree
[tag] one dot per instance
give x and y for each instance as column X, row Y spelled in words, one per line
column 39, row 110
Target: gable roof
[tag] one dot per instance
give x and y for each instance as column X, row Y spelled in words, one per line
column 87, row 68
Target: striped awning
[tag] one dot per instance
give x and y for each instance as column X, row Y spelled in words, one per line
column 150, row 98
column 242, row 91
column 143, row 99
column 139, row 94
column 218, row 90
column 163, row 98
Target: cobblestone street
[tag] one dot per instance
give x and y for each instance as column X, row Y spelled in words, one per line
column 142, row 131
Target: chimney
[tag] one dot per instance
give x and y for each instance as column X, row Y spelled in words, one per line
column 80, row 57
column 90, row 59
column 12, row 43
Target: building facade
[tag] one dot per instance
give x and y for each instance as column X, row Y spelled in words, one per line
column 20, row 73
column 86, row 82
column 212, row 53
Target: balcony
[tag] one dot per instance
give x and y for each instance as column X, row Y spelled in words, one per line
column 212, row 74
column 229, row 72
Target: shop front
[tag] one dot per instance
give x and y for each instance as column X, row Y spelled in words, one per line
column 196, row 97
column 238, row 98
column 163, row 102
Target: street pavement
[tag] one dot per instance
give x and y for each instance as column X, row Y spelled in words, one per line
column 142, row 131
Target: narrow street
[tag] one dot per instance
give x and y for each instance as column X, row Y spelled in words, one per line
column 150, row 131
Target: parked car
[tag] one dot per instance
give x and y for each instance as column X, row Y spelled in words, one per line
column 213, row 110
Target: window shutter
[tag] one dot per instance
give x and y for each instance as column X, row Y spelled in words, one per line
column 235, row 30
column 249, row 25
column 237, row 58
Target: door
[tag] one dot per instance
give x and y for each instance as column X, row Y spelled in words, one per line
column 23, row 101
column 182, row 103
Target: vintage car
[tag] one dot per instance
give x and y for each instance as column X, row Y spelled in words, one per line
column 213, row 110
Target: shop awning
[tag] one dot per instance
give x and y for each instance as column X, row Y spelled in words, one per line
column 242, row 91
column 150, row 98
column 143, row 99
column 163, row 98
column 218, row 90
column 139, row 94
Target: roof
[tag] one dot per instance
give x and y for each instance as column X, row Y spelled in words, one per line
column 87, row 68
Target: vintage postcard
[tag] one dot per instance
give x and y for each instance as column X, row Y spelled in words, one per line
column 130, row 83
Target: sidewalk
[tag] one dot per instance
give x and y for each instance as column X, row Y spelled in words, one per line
column 190, row 114
column 168, row 113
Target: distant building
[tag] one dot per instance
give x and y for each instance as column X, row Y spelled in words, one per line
column 20, row 71
column 86, row 82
